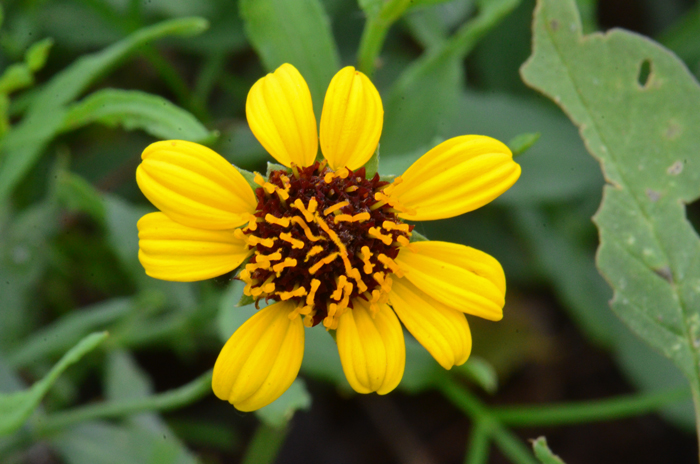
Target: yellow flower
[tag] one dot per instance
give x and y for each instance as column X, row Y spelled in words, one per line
column 326, row 244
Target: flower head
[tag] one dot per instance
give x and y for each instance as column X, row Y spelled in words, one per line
column 326, row 244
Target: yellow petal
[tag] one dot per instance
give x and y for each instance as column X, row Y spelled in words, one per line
column 170, row 251
column 352, row 119
column 372, row 349
column 463, row 278
column 194, row 186
column 441, row 330
column 459, row 175
column 261, row 359
column 281, row 116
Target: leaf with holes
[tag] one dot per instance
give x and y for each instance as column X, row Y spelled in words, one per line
column 635, row 105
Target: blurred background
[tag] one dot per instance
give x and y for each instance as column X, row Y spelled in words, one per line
column 68, row 245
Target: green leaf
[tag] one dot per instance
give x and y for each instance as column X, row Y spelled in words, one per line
column 36, row 56
column 523, row 142
column 543, row 453
column 99, row 442
column 645, row 131
column 15, row 408
column 432, row 85
column 25, row 143
column 66, row 331
column 295, row 32
column 278, row 413
column 78, row 195
column 481, row 372
column 132, row 109
column 15, row 77
column 24, row 255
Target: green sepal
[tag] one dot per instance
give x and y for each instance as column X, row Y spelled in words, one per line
column 418, row 237
column 522, row 143
column 248, row 176
column 275, row 167
column 372, row 165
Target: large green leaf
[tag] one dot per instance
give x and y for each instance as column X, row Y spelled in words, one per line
column 16, row 407
column 295, row 32
column 99, row 442
column 132, row 109
column 22, row 147
column 644, row 128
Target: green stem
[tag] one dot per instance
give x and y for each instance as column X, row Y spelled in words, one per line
column 508, row 443
column 588, row 411
column 478, row 450
column 468, row 35
column 371, row 43
column 172, row 399
column 375, row 32
column 265, row 445
column 512, row 447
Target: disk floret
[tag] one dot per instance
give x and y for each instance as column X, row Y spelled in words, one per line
column 323, row 238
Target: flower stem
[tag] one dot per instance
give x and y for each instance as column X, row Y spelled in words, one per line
column 587, row 411
column 172, row 399
column 478, row 449
column 375, row 32
column 265, row 445
column 509, row 444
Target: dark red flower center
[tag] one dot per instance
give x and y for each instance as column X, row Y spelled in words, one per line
column 323, row 238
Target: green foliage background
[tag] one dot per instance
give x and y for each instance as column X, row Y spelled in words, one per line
column 85, row 85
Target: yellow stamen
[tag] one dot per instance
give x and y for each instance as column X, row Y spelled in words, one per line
column 269, row 188
column 308, row 214
column 338, row 293
column 388, row 225
column 326, row 260
column 403, row 240
column 355, row 274
column 287, row 237
column 305, row 310
column 390, row 264
column 283, row 221
column 352, row 188
column 276, row 256
column 260, row 264
column 282, row 194
column 288, row 262
column 258, row 179
column 315, row 283
column 266, row 242
column 252, row 222
column 375, row 233
column 342, row 218
column 313, row 252
column 365, row 255
column 300, row 291
column 307, row 231
column 335, row 207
